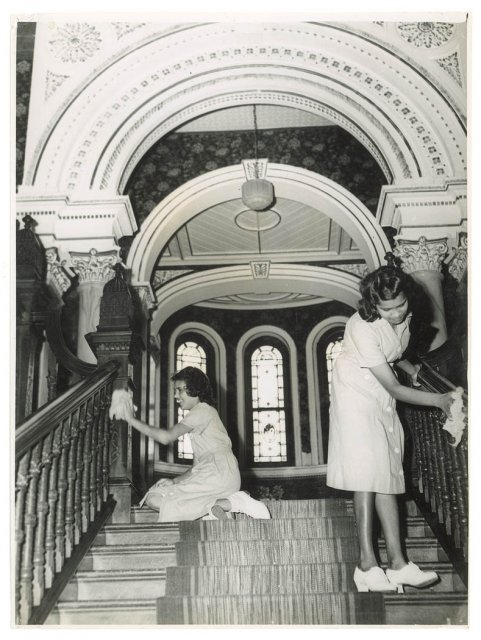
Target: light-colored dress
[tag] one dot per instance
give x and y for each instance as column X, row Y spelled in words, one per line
column 366, row 439
column 214, row 473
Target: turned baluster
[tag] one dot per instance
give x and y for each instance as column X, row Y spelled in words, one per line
column 450, row 488
column 102, row 425
column 457, row 507
column 413, row 420
column 108, row 426
column 39, row 559
column 71, row 537
column 21, row 486
column 52, row 509
column 62, row 493
column 424, row 453
column 30, row 521
column 435, row 450
column 94, row 452
column 443, row 490
column 79, row 467
column 87, row 457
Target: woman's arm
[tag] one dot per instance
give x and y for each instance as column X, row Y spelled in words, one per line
column 164, row 436
column 411, row 369
column 384, row 375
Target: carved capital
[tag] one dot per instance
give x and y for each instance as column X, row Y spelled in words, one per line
column 94, row 266
column 422, row 254
column 459, row 262
column 58, row 274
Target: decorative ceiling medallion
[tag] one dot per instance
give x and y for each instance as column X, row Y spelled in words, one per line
column 426, row 34
column 451, row 65
column 257, row 220
column 75, row 42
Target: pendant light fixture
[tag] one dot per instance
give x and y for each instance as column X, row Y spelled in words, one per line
column 257, row 192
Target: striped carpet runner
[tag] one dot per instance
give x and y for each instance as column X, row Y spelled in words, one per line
column 294, row 569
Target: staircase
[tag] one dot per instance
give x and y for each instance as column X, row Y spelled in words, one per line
column 294, row 569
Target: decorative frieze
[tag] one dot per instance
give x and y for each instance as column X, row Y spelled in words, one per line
column 161, row 276
column 421, row 255
column 94, row 266
column 359, row 270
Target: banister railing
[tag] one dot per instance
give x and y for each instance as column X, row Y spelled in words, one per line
column 62, row 484
column 440, row 470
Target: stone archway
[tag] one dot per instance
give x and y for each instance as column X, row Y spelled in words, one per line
column 224, row 184
column 94, row 138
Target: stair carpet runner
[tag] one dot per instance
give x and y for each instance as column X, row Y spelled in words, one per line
column 295, row 569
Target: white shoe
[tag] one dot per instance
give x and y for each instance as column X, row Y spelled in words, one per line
column 412, row 576
column 241, row 502
column 374, row 579
column 219, row 513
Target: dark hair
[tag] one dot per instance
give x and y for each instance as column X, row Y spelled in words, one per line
column 385, row 283
column 196, row 382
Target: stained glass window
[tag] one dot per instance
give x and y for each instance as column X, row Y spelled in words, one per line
column 189, row 354
column 268, row 409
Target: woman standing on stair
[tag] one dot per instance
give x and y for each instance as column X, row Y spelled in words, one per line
column 366, row 437
column 210, row 488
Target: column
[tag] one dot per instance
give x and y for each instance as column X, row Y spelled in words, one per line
column 94, row 269
column 423, row 259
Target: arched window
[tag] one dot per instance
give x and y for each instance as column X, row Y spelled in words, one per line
column 189, row 353
column 268, row 410
column 328, row 348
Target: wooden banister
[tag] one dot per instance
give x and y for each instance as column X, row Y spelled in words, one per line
column 439, row 472
column 62, row 493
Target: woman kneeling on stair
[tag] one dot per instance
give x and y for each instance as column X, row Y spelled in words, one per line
column 210, row 488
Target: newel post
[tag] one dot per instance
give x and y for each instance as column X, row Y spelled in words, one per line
column 117, row 339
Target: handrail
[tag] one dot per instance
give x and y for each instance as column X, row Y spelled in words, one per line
column 37, row 425
column 62, row 487
column 435, row 381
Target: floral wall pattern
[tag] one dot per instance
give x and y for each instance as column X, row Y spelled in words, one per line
column 179, row 157
column 25, row 39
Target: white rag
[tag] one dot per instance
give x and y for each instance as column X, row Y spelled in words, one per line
column 122, row 405
column 457, row 418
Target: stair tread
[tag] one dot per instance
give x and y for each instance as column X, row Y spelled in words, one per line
column 104, row 574
column 108, row 604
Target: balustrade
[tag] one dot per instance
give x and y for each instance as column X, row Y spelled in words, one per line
column 440, row 469
column 62, row 475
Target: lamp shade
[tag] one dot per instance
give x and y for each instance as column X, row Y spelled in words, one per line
column 257, row 194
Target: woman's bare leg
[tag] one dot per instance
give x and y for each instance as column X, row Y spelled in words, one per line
column 388, row 512
column 364, row 510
